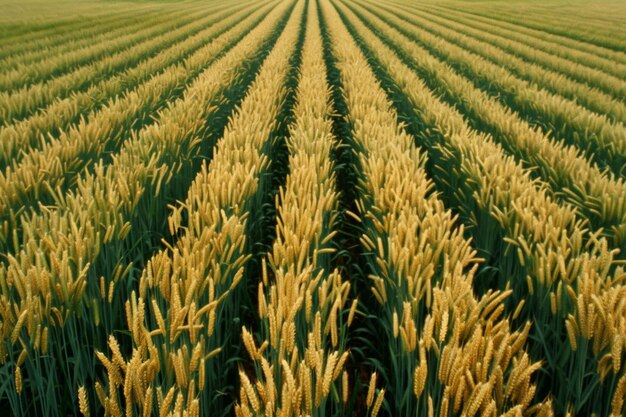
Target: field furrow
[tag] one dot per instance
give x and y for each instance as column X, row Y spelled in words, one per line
column 18, row 104
column 597, row 34
column 107, row 29
column 531, row 245
column 421, row 265
column 566, row 120
column 128, row 204
column 44, row 175
column 570, row 175
column 19, row 138
column 56, row 65
column 301, row 298
column 607, row 55
column 609, row 67
column 34, row 41
column 609, row 84
column 507, row 74
column 196, row 300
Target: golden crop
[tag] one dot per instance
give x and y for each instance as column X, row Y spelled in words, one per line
column 312, row 208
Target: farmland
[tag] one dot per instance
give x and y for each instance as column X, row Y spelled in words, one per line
column 313, row 208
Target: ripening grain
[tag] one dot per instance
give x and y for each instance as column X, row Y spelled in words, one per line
column 312, row 208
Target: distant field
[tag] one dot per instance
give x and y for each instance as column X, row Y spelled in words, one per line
column 313, row 208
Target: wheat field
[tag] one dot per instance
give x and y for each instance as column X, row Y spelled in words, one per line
column 320, row 208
